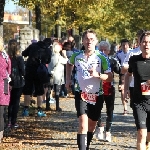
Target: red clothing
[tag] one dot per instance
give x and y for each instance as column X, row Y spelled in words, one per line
column 107, row 88
column 5, row 70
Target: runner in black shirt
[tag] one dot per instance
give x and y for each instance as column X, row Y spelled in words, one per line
column 140, row 67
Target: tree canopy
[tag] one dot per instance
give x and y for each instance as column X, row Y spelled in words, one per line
column 111, row 18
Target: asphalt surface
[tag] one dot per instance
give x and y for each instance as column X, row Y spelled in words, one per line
column 58, row 130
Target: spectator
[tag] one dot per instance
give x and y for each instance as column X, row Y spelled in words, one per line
column 31, row 78
column 70, row 38
column 17, row 82
column 56, row 69
column 5, row 69
column 48, row 86
column 73, row 46
column 67, row 47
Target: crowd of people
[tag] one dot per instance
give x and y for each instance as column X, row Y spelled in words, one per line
column 51, row 66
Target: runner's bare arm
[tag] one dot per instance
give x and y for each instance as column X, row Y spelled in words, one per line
column 127, row 80
column 124, row 69
column 106, row 76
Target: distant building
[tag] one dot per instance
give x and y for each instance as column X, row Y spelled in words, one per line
column 16, row 18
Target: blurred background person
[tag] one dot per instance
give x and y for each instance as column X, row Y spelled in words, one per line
column 56, row 70
column 37, row 53
column 17, row 81
column 67, row 47
column 109, row 94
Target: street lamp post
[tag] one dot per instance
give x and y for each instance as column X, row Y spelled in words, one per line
column 73, row 16
column 30, row 17
column 38, row 18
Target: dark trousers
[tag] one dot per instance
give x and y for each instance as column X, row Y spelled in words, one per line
column 109, row 100
column 63, row 89
column 73, row 86
column 50, row 87
column 57, row 91
column 13, row 107
column 2, row 118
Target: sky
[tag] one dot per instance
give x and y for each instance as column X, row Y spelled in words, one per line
column 9, row 6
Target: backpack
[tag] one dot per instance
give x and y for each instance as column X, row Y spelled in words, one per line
column 42, row 73
column 17, row 79
column 42, row 70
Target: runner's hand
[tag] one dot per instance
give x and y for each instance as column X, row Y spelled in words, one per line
column 93, row 72
column 64, row 53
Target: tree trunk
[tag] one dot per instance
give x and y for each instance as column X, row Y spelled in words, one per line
column 38, row 18
column 57, row 26
column 72, row 31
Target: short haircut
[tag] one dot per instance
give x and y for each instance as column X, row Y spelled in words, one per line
column 48, row 41
column 66, row 44
column 53, row 47
column 124, row 41
column 139, row 33
column 73, row 44
column 104, row 43
column 146, row 33
column 88, row 31
column 12, row 48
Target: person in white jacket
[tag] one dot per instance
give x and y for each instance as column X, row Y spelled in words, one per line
column 56, row 70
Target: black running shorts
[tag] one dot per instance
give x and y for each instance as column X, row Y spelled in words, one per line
column 92, row 111
column 141, row 112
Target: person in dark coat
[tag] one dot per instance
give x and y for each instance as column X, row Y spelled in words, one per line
column 17, row 82
column 31, row 78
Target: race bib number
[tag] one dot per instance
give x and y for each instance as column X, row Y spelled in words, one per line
column 89, row 98
column 145, row 88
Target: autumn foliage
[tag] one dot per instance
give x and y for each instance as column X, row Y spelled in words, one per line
column 111, row 18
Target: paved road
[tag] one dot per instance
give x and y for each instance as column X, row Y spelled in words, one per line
column 58, row 131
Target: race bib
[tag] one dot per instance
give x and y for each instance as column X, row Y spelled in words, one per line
column 145, row 88
column 89, row 98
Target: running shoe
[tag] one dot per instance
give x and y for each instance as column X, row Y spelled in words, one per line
column 52, row 101
column 9, row 125
column 125, row 113
column 100, row 133
column 41, row 114
column 65, row 96
column 25, row 113
column 44, row 101
column 12, row 126
column 107, row 136
column 15, row 125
